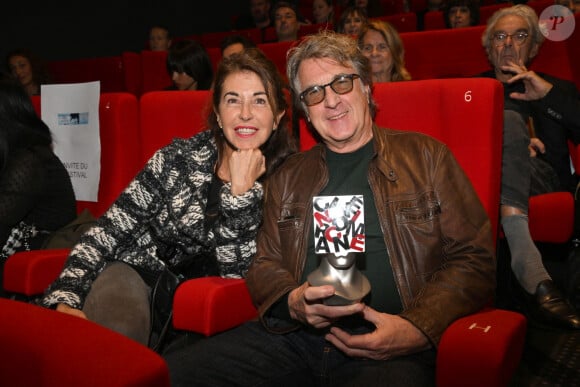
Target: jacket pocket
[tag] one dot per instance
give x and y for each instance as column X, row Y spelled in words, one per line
column 419, row 229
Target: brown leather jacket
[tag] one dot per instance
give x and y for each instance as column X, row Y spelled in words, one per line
column 437, row 233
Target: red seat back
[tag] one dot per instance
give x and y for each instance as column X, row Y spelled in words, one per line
column 155, row 76
column 108, row 70
column 165, row 115
column 277, row 53
column 466, row 114
column 403, row 22
column 446, row 53
column 132, row 72
column 434, row 20
column 43, row 347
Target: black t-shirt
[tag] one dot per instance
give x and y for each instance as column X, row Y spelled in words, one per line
column 348, row 175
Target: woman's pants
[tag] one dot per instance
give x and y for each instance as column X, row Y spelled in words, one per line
column 119, row 300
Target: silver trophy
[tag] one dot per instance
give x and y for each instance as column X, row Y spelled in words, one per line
column 339, row 239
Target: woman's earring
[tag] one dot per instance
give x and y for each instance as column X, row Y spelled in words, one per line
column 219, row 122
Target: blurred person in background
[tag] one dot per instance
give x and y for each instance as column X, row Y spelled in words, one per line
column 189, row 66
column 28, row 69
column 159, row 38
column 461, row 13
column 352, row 20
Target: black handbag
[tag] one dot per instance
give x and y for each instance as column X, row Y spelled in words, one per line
column 161, row 331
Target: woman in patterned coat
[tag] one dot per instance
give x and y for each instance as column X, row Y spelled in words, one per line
column 194, row 209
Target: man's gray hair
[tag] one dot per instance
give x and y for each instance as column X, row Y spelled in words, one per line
column 341, row 48
column 525, row 12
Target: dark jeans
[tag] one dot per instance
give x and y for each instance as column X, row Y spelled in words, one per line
column 250, row 356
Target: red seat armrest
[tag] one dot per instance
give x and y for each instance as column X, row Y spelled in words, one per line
column 31, row 272
column 210, row 305
column 551, row 217
column 483, row 348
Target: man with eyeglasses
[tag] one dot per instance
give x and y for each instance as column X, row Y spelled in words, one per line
column 541, row 113
column 419, row 283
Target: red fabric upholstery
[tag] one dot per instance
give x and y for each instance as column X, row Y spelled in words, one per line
column 277, row 53
column 168, row 114
column 30, row 272
column 445, row 53
column 154, row 67
column 433, row 20
column 108, row 70
column 486, row 11
column 132, row 72
column 393, row 7
column 403, row 22
column 481, row 350
column 211, row 305
column 551, row 217
column 45, row 348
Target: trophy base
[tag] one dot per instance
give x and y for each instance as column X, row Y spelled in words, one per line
column 345, row 294
column 337, row 300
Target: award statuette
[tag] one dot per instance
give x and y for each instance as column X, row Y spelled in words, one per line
column 339, row 238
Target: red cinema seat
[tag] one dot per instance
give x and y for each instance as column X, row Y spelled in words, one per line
column 165, row 115
column 154, row 68
column 132, row 72
column 403, row 22
column 46, row 348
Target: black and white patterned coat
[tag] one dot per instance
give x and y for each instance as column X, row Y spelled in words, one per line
column 159, row 220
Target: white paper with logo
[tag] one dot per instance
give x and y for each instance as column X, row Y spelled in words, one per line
column 72, row 113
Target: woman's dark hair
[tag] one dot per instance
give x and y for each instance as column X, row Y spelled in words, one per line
column 472, row 5
column 281, row 143
column 20, row 125
column 190, row 57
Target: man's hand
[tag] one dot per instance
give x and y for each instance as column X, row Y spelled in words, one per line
column 305, row 305
column 535, row 86
column 393, row 336
column 72, row 311
column 536, row 146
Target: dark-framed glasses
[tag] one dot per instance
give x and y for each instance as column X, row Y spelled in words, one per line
column 500, row 38
column 341, row 84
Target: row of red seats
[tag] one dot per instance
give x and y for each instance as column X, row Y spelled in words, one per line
column 432, row 54
column 403, row 20
column 472, row 128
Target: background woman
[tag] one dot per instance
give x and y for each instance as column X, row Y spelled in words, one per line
column 380, row 42
column 28, row 69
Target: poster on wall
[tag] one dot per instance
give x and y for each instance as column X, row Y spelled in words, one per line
column 71, row 111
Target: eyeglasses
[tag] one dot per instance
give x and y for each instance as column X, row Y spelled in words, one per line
column 368, row 48
column 342, row 84
column 500, row 38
